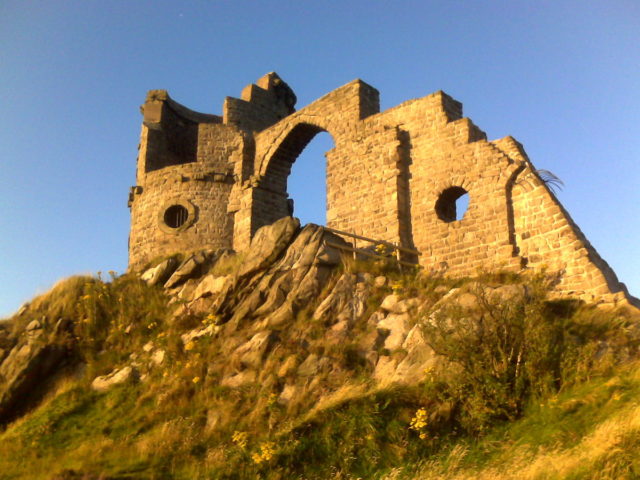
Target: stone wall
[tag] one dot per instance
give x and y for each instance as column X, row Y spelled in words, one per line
column 394, row 176
column 200, row 183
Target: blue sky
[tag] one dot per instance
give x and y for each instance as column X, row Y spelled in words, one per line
column 563, row 77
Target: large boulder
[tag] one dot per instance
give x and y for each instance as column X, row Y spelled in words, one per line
column 210, row 285
column 277, row 290
column 397, row 325
column 160, row 273
column 252, row 353
column 267, row 245
column 346, row 302
column 190, row 268
column 116, row 377
column 26, row 370
column 420, row 359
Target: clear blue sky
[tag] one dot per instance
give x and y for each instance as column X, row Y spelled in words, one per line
column 563, row 77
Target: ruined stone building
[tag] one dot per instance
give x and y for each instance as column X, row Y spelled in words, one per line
column 209, row 181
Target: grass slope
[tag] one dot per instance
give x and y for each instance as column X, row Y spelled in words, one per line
column 584, row 422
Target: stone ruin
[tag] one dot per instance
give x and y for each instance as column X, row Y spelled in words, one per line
column 208, row 181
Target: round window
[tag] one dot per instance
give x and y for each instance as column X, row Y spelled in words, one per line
column 175, row 216
column 452, row 204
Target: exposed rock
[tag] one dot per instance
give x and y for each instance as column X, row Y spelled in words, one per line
column 210, row 285
column 197, row 333
column 376, row 318
column 25, row 371
column 33, row 325
column 251, row 354
column 239, row 379
column 23, row 308
column 393, row 303
column 187, row 290
column 188, row 269
column 267, row 245
column 157, row 357
column 288, row 367
column 397, row 324
column 470, row 298
column 282, row 289
column 288, row 393
column 160, row 273
column 389, row 302
column 347, row 301
column 310, row 366
column 336, row 301
column 147, row 347
column 420, row 357
column 441, row 289
column 380, row 281
column 338, row 332
column 411, row 369
column 116, row 377
column 385, row 369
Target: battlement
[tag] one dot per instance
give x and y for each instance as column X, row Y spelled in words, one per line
column 208, row 181
column 261, row 104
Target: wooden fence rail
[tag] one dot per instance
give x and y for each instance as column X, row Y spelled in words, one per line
column 395, row 249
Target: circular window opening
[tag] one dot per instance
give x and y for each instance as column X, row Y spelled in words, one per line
column 175, row 216
column 452, row 204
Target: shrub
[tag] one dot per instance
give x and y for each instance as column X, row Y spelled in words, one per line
column 503, row 350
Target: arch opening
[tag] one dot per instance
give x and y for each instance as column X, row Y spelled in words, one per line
column 307, row 183
column 452, row 204
column 297, row 175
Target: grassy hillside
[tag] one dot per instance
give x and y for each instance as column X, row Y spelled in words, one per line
column 525, row 387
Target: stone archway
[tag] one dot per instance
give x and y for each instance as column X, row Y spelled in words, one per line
column 272, row 191
column 263, row 198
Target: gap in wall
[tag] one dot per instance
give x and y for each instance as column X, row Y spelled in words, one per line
column 307, row 183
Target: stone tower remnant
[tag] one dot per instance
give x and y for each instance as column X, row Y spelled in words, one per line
column 208, row 181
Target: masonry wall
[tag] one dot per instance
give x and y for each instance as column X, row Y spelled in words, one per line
column 262, row 199
column 204, row 185
column 392, row 176
column 548, row 239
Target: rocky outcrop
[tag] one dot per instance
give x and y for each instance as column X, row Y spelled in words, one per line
column 254, row 313
column 286, row 318
column 161, row 272
column 27, row 368
column 284, row 269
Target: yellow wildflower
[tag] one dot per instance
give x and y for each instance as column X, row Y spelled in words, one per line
column 267, row 452
column 381, row 249
column 240, row 439
column 210, row 319
column 419, row 422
